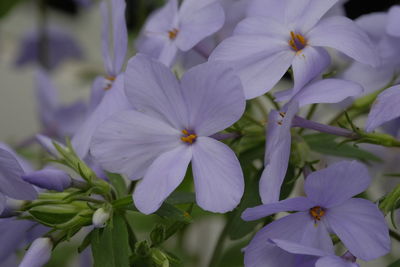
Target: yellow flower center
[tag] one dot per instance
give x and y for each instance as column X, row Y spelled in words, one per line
column 173, row 33
column 188, row 137
column 297, row 41
column 109, row 82
column 317, row 212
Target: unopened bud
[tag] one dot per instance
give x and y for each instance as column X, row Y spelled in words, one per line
column 52, row 179
column 100, row 217
column 38, row 253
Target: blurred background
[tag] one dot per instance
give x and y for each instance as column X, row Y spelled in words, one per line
column 76, row 25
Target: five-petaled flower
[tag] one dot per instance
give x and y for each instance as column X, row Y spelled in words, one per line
column 328, row 208
column 170, row 128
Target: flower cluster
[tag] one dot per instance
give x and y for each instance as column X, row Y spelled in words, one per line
column 196, row 122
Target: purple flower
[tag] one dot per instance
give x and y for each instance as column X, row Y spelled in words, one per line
column 263, row 48
column 388, row 47
column 171, row 129
column 392, row 27
column 49, row 178
column 38, row 253
column 11, row 183
column 172, row 29
column 316, row 256
column 384, row 109
column 278, row 130
column 15, row 233
column 108, row 96
column 60, row 47
column 58, row 121
column 328, row 208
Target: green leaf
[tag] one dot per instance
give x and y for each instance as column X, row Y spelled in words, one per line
column 169, row 211
column 7, row 5
column 326, row 144
column 395, row 264
column 110, row 246
column 118, row 183
column 181, row 198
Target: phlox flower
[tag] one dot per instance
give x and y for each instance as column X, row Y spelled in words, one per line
column 108, row 94
column 379, row 28
column 38, row 254
column 58, row 121
column 170, row 129
column 61, row 47
column 327, row 208
column 172, row 28
column 263, row 48
column 279, row 138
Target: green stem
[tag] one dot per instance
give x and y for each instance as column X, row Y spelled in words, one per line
column 220, row 245
column 272, row 100
column 394, row 234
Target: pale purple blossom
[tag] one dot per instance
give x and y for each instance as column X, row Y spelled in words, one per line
column 263, row 48
column 280, row 122
column 170, row 129
column 327, row 208
column 49, row 178
column 108, row 96
column 172, row 29
column 61, row 46
column 58, row 120
column 377, row 26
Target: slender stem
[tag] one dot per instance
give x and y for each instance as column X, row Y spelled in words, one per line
column 394, row 234
column 272, row 100
column 220, row 245
column 309, row 115
column 301, row 122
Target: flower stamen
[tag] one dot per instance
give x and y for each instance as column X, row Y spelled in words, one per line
column 317, row 212
column 188, row 137
column 173, row 33
column 297, row 41
column 109, row 81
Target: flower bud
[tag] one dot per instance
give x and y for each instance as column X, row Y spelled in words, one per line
column 52, row 179
column 100, row 217
column 38, row 253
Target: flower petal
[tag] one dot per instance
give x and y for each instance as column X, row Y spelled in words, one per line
column 161, row 179
column 277, row 153
column 49, row 178
column 218, row 177
column 344, row 35
column 153, row 89
column 113, row 101
column 339, row 182
column 308, row 64
column 327, row 91
column 105, row 38
column 168, row 53
column 297, row 227
column 129, row 142
column 361, row 227
column 265, row 26
column 197, row 20
column 384, row 109
column 297, row 248
column 291, row 204
column 11, row 183
column 97, row 92
column 334, row 261
column 120, row 38
column 393, row 22
column 306, row 13
column 215, row 96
